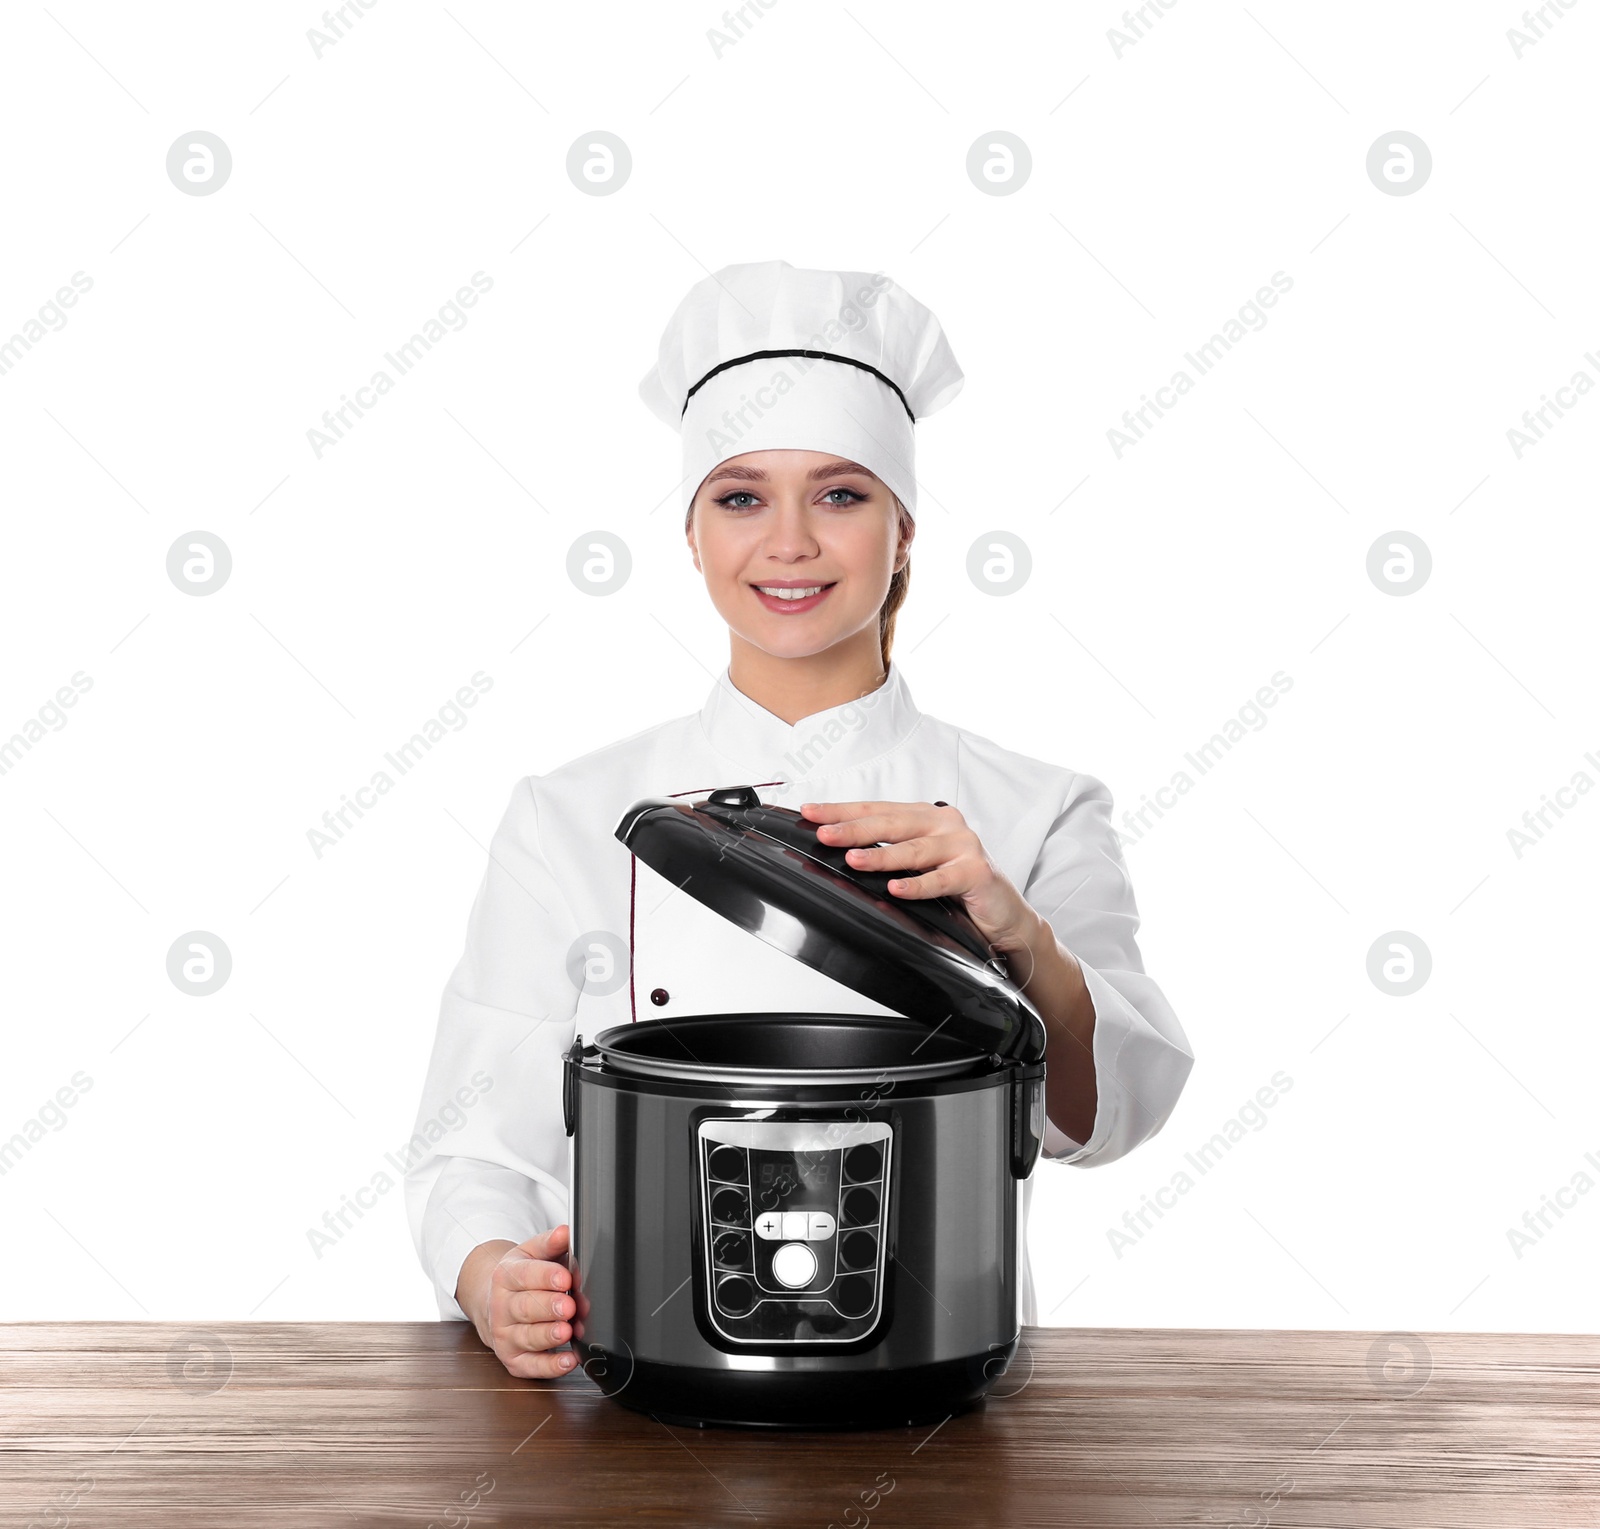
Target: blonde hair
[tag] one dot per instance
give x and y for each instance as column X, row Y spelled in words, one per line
column 899, row 584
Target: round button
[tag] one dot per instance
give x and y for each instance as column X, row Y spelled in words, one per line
column 853, row 1296
column 658, row 996
column 794, row 1264
column 732, row 1250
column 860, row 1207
column 859, row 1250
column 863, row 1162
column 727, row 1164
column 735, row 1295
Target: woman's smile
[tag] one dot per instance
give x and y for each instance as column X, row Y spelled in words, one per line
column 789, row 597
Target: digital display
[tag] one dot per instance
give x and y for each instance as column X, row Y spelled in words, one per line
column 780, row 1178
column 789, row 1179
column 820, row 1169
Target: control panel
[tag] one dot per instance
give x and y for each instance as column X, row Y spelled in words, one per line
column 795, row 1214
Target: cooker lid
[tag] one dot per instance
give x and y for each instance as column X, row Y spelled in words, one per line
column 762, row 868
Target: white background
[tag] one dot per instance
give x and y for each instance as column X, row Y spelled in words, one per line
column 1168, row 184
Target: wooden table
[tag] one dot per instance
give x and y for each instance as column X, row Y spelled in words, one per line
column 414, row 1423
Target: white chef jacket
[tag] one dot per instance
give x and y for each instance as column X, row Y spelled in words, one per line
column 489, row 1158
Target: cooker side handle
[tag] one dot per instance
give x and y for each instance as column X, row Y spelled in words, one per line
column 1027, row 1118
column 571, row 1061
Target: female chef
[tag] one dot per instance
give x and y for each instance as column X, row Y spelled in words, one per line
column 794, row 393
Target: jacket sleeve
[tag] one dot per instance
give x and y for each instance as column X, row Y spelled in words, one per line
column 488, row 1158
column 1141, row 1056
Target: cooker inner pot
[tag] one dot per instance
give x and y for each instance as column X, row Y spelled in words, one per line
column 833, row 1044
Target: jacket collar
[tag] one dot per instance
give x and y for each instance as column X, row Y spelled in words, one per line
column 817, row 746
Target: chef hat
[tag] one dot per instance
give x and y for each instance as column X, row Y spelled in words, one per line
column 764, row 356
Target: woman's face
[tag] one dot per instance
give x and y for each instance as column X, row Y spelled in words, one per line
column 796, row 520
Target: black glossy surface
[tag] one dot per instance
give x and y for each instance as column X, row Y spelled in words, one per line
column 860, row 1207
column 763, row 869
column 858, row 1250
column 787, row 1042
column 728, row 1165
column 760, row 1399
column 862, row 1164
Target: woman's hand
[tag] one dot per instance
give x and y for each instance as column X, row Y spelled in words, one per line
column 518, row 1297
column 935, row 840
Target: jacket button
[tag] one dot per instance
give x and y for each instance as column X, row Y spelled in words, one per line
column 658, row 996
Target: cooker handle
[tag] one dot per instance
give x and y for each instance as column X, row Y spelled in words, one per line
column 743, row 797
column 571, row 1061
column 1027, row 1118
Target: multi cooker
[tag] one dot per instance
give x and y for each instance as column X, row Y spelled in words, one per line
column 805, row 1219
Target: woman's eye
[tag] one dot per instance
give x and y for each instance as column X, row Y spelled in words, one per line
column 838, row 498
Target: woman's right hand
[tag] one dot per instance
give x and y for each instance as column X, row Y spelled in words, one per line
column 518, row 1296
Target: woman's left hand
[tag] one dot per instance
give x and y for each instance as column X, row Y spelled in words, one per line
column 936, row 841
column 947, row 860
